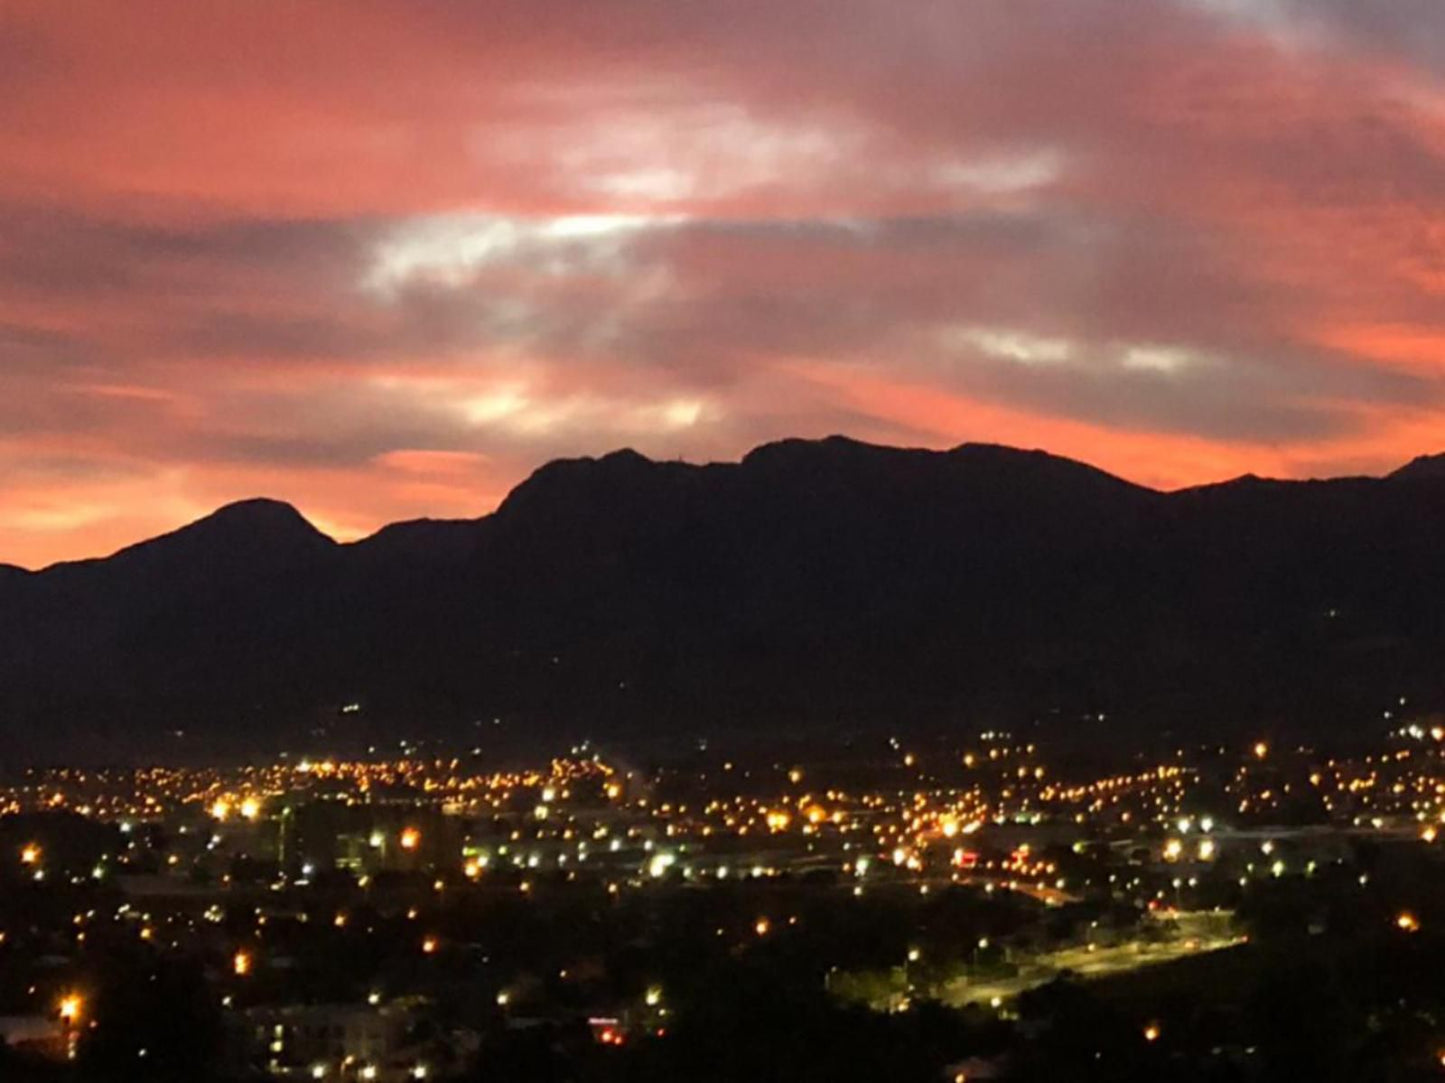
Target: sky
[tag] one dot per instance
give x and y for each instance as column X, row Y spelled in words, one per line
column 383, row 259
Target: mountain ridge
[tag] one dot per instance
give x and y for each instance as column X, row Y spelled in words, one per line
column 812, row 582
column 1427, row 466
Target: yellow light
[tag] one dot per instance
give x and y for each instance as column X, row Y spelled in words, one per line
column 250, row 808
column 1172, row 849
column 221, row 809
column 1408, row 922
column 70, row 1008
column 340, row 921
column 762, row 926
column 1261, row 750
column 410, row 838
column 30, row 855
column 1428, row 834
column 241, row 964
column 429, row 945
column 1151, row 1032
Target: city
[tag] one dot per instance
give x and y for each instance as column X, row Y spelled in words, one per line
column 421, row 917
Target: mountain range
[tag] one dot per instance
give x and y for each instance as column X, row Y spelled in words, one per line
column 828, row 584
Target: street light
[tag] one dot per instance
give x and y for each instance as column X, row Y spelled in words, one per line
column 70, row 1009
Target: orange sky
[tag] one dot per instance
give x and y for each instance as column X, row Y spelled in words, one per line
column 381, row 259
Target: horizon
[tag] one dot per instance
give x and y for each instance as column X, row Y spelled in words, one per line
column 352, row 539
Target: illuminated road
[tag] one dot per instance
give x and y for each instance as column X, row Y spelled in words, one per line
column 1101, row 962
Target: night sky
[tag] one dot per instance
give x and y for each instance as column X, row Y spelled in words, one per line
column 383, row 259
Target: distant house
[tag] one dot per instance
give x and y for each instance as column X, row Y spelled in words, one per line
column 376, row 1043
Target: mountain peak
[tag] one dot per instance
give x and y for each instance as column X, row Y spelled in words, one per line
column 796, row 447
column 256, row 509
column 257, row 528
column 257, row 516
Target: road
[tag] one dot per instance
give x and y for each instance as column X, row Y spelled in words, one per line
column 1101, row 962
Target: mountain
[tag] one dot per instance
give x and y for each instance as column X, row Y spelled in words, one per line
column 813, row 584
column 1426, row 467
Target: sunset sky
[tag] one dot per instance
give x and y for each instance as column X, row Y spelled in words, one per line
column 382, row 259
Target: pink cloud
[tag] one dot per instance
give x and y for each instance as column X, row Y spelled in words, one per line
column 383, row 258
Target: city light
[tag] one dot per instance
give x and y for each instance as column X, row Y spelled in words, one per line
column 1142, row 836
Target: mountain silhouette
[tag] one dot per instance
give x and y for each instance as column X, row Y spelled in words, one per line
column 824, row 583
